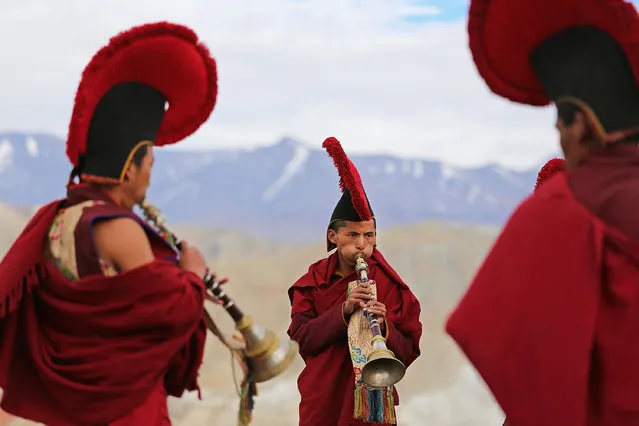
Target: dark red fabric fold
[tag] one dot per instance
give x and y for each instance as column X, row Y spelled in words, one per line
column 19, row 267
column 527, row 321
column 88, row 352
column 550, row 322
column 327, row 382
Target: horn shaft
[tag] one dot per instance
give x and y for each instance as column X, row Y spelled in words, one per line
column 153, row 215
column 382, row 369
column 362, row 269
column 218, row 292
column 268, row 355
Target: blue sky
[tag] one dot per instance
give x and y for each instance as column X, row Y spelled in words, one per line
column 439, row 10
column 442, row 10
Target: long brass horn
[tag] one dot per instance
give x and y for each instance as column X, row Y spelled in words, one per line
column 268, row 356
column 382, row 369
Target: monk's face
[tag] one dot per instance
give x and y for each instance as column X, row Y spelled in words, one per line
column 138, row 179
column 354, row 238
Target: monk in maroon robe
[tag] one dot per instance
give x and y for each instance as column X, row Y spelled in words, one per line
column 100, row 318
column 551, row 320
column 322, row 306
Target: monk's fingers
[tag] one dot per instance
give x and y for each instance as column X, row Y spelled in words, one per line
column 376, row 307
column 374, row 303
column 369, row 304
column 211, row 298
column 363, row 287
column 357, row 297
column 362, row 293
column 375, row 310
column 356, row 301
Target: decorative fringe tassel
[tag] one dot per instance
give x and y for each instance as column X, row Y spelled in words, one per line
column 11, row 301
column 374, row 405
column 248, row 391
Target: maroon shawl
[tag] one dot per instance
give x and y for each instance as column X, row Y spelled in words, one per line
column 551, row 320
column 88, row 352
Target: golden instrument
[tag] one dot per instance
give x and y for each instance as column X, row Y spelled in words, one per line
column 382, row 369
column 267, row 356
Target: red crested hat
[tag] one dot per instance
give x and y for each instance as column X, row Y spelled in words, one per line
column 550, row 169
column 353, row 206
column 580, row 51
column 152, row 84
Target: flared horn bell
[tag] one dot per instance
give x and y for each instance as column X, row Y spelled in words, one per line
column 382, row 369
column 268, row 355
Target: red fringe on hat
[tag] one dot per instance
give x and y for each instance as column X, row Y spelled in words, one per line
column 503, row 34
column 348, row 177
column 549, row 169
column 165, row 56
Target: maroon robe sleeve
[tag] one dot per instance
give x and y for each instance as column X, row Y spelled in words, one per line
column 101, row 343
column 185, row 365
column 402, row 346
column 400, row 339
column 527, row 321
column 315, row 333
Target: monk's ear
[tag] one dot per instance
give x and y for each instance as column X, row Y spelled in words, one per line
column 129, row 174
column 332, row 236
column 581, row 130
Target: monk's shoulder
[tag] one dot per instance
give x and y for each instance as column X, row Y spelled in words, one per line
column 544, row 213
column 120, row 227
column 93, row 212
column 123, row 241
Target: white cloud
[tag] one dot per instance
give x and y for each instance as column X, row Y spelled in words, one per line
column 307, row 68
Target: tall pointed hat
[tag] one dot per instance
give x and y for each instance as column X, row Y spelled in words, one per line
column 353, row 206
column 153, row 84
column 584, row 52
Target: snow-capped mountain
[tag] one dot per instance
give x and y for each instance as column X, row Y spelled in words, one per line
column 282, row 190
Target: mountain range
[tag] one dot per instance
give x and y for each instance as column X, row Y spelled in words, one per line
column 285, row 191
